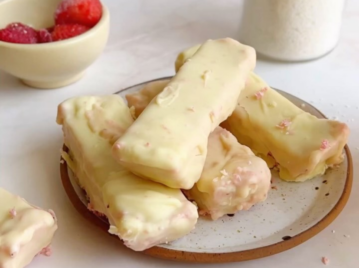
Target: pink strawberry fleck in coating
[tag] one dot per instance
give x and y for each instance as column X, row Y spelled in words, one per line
column 259, row 94
column 46, row 251
column 324, row 145
column 13, row 213
column 118, row 145
column 284, row 124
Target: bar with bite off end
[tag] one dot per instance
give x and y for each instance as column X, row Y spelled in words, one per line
column 301, row 145
column 203, row 93
column 142, row 213
column 233, row 178
column 25, row 231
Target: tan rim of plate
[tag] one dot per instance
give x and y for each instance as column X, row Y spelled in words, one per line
column 238, row 256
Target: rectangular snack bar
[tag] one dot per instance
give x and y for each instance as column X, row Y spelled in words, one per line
column 141, row 212
column 25, row 231
column 88, row 122
column 302, row 145
column 139, row 100
column 233, row 178
column 203, row 93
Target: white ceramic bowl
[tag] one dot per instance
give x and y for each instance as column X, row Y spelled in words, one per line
column 49, row 65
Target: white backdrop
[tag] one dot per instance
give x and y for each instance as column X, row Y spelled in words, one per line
column 145, row 38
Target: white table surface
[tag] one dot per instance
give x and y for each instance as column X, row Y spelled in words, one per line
column 145, row 38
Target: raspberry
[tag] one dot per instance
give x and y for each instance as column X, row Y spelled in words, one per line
column 44, row 36
column 85, row 12
column 19, row 33
column 50, row 29
column 66, row 31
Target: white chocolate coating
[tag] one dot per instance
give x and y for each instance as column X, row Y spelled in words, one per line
column 146, row 213
column 140, row 99
column 91, row 125
column 233, row 178
column 184, row 56
column 300, row 144
column 25, row 230
column 201, row 95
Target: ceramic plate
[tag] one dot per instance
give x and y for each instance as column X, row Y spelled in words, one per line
column 292, row 214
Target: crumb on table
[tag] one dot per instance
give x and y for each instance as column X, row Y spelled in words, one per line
column 325, row 260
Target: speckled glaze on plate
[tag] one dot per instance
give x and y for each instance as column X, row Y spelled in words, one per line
column 292, row 214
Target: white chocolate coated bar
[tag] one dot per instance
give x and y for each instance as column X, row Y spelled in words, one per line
column 140, row 99
column 301, row 145
column 233, row 178
column 141, row 212
column 184, row 56
column 203, row 93
column 88, row 123
column 146, row 213
column 25, row 231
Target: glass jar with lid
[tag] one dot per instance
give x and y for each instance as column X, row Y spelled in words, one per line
column 291, row 30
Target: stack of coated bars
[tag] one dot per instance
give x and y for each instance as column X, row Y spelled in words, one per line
column 200, row 143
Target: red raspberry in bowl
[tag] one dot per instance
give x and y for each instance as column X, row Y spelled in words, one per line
column 85, row 12
column 19, row 33
column 66, row 31
column 44, row 36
